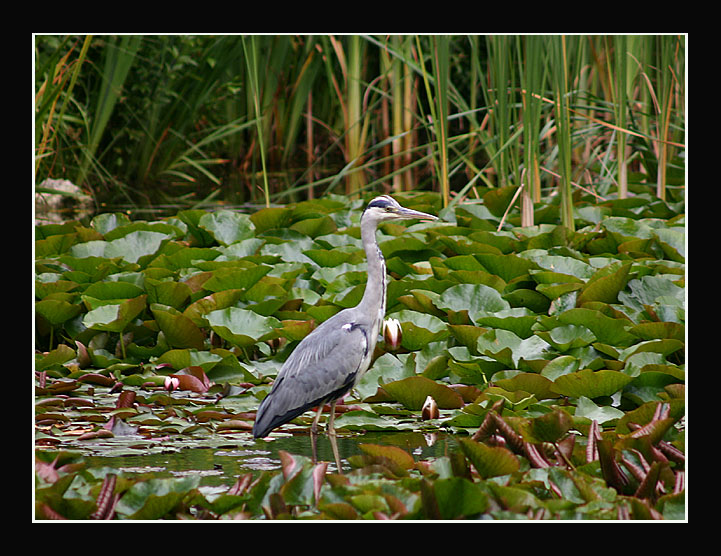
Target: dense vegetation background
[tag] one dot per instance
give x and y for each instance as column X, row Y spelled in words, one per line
column 188, row 120
column 543, row 316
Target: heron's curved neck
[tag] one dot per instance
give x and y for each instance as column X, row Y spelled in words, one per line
column 374, row 298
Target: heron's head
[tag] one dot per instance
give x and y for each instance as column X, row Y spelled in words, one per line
column 384, row 208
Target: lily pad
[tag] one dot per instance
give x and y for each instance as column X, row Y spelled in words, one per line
column 226, row 226
column 509, row 349
column 420, row 329
column 591, row 384
column 601, row 414
column 242, row 327
column 606, row 287
column 154, row 498
column 458, row 497
column 489, row 461
column 476, row 299
column 57, row 311
column 114, row 317
column 179, row 330
column 413, row 391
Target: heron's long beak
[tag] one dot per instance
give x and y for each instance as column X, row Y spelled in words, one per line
column 408, row 213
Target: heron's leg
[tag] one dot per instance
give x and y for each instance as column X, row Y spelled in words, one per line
column 331, row 436
column 314, row 426
column 314, row 432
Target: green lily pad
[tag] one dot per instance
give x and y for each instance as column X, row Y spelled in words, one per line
column 136, row 247
column 606, row 287
column 114, row 317
column 398, row 456
column 315, row 227
column 559, row 366
column 56, row 311
column 154, row 498
column 591, row 384
column 220, row 300
column 477, row 299
column 179, row 330
column 533, row 383
column 420, row 329
column 507, row 267
column 413, row 391
column 589, row 410
column 489, row 461
column 235, row 277
column 550, row 427
column 458, row 497
column 227, row 226
column 509, row 349
column 568, row 336
column 242, row 327
column 607, row 330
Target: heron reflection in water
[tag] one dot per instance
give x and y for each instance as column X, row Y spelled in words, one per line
column 330, row 361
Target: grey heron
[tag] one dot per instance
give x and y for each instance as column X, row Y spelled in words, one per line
column 328, row 362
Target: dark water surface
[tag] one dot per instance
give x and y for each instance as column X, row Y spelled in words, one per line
column 221, row 465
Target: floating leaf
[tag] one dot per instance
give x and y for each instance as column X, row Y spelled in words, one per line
column 398, row 456
column 607, row 330
column 227, row 226
column 569, row 336
column 413, row 391
column 606, row 287
column 420, row 329
column 315, row 227
column 539, row 386
column 179, row 330
column 559, row 366
column 56, row 311
column 154, row 498
column 589, row 410
column 457, row 497
column 507, row 267
column 136, row 247
column 240, row 326
column 590, row 384
column 489, row 461
column 477, row 299
column 550, row 427
column 509, row 349
column 235, row 277
column 114, row 317
column 58, row 356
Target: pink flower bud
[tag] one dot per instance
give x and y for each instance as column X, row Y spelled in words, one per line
column 392, row 333
column 430, row 409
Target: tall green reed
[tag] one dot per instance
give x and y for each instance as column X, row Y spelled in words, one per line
column 438, row 97
column 119, row 56
column 532, row 78
column 562, row 75
column 213, row 116
column 252, row 61
column 50, row 91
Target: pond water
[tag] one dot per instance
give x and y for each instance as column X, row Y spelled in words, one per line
column 221, row 464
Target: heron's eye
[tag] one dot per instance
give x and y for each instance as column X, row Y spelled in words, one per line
column 389, row 209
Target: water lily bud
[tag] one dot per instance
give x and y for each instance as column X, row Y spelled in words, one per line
column 392, row 333
column 429, row 409
column 171, row 383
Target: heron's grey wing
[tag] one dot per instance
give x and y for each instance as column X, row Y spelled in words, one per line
column 324, row 366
